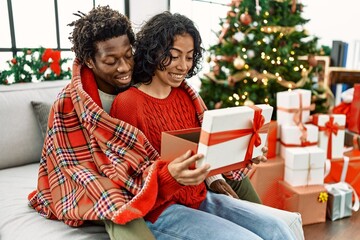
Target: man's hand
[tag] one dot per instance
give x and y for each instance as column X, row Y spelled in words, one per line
column 179, row 169
column 261, row 158
column 220, row 186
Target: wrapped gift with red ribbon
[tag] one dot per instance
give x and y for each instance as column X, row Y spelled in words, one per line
column 233, row 135
column 309, row 201
column 229, row 137
column 295, row 137
column 346, row 169
column 354, row 121
column 331, row 133
column 293, row 107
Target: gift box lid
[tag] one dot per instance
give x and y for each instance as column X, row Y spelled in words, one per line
column 291, row 99
column 226, row 134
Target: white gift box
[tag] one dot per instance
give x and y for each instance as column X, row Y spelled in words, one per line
column 337, row 138
column 291, row 137
column 304, row 166
column 290, row 103
column 232, row 122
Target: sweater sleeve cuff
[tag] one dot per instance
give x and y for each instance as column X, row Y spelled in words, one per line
column 211, row 179
column 168, row 184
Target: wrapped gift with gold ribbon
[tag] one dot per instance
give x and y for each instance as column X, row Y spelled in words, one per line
column 340, row 204
column 331, row 133
column 304, row 166
column 295, row 137
column 310, row 201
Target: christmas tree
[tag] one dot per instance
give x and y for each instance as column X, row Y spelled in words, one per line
column 263, row 48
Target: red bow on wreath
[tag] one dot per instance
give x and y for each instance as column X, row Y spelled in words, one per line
column 55, row 64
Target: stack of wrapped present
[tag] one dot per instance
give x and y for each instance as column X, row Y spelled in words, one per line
column 308, row 161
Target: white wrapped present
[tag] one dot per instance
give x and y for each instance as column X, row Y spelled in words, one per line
column 331, row 133
column 293, row 107
column 230, row 136
column 295, row 136
column 304, row 166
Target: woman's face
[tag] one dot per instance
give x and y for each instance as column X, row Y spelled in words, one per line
column 113, row 64
column 182, row 61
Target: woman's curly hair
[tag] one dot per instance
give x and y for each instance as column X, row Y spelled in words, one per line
column 100, row 24
column 154, row 41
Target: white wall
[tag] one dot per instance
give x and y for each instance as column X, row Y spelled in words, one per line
column 334, row 20
column 141, row 10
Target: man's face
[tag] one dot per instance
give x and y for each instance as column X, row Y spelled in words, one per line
column 113, row 64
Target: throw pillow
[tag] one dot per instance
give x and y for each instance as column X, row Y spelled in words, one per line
column 42, row 111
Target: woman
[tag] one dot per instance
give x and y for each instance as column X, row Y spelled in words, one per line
column 168, row 50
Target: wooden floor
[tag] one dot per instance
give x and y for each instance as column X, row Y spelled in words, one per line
column 343, row 229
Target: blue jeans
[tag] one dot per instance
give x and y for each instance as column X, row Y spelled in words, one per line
column 220, row 217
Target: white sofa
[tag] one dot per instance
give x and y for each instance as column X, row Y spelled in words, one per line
column 20, row 147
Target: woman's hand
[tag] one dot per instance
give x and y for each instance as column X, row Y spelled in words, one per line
column 179, row 169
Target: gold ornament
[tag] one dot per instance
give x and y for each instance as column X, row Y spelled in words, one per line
column 239, row 63
column 249, row 103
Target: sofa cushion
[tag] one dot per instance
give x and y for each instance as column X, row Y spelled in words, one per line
column 21, row 141
column 42, row 110
column 19, row 221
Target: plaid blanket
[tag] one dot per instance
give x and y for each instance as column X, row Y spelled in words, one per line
column 93, row 166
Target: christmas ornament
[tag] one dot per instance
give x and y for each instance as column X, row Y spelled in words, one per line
column 245, row 18
column 231, row 13
column 312, row 61
column 218, row 105
column 239, row 63
column 216, row 69
column 249, row 103
column 239, row 36
column 250, row 53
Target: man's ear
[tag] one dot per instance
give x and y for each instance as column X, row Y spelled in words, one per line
column 89, row 63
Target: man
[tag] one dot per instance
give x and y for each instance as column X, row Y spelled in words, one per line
column 102, row 42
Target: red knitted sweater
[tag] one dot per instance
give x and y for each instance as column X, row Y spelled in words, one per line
column 153, row 116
